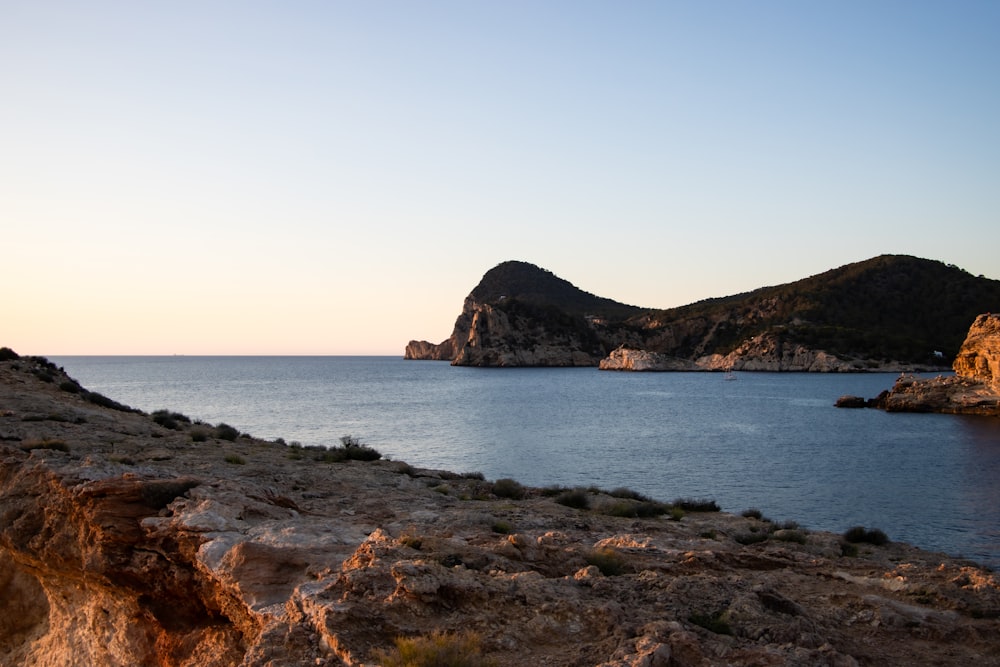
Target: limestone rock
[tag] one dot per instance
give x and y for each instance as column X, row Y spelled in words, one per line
column 979, row 357
column 426, row 351
column 624, row 359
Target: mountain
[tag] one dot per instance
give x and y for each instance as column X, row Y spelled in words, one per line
column 522, row 315
column 892, row 312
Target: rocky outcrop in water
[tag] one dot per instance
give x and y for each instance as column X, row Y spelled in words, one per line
column 624, row 359
column 974, row 389
column 130, row 539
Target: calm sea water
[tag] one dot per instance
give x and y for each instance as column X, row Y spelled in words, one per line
column 770, row 441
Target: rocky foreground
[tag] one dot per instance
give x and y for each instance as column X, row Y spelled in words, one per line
column 135, row 539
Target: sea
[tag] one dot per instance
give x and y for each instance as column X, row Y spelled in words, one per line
column 769, row 441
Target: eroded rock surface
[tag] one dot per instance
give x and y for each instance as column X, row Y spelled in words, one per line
column 974, row 389
column 127, row 543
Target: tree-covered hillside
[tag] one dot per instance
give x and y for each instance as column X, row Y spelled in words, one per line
column 889, row 307
column 526, row 282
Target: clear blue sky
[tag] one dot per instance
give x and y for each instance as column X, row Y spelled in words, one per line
column 335, row 177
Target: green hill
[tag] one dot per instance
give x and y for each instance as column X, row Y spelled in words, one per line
column 890, row 307
column 528, row 283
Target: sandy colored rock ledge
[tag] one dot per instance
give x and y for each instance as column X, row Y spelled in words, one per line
column 127, row 543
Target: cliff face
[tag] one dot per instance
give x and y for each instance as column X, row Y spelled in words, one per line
column 128, row 543
column 974, row 389
column 521, row 315
column 979, row 357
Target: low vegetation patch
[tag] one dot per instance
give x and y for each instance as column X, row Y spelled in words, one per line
column 508, row 488
column 575, row 498
column 752, row 537
column 610, row 562
column 224, row 431
column 235, row 459
column 697, row 505
column 170, row 420
column 439, row 649
column 502, row 527
column 105, row 402
column 636, row 509
column 861, row 534
column 351, row 449
column 45, row 443
column 717, row 622
column 199, row 434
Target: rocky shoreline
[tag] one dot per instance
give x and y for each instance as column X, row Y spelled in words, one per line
column 132, row 538
column 973, row 390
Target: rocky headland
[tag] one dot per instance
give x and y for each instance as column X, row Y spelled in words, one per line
column 151, row 539
column 889, row 313
column 974, row 389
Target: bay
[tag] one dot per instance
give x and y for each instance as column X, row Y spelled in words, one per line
column 768, row 441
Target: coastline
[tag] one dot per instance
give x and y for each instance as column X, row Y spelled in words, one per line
column 329, row 561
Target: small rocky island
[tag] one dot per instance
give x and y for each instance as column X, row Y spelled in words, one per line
column 152, row 539
column 974, row 389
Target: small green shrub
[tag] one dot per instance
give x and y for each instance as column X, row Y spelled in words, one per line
column 224, row 431
column 235, row 459
column 610, row 562
column 676, row 513
column 575, row 498
column 860, row 534
column 643, row 509
column 696, row 505
column 410, row 539
column 502, row 527
column 45, row 443
column 7, row 354
column 170, row 420
column 717, row 622
column 508, row 488
column 790, row 535
column 199, row 434
column 439, row 649
column 474, row 475
column 105, row 402
column 753, row 513
column 70, row 386
column 752, row 537
column 849, row 550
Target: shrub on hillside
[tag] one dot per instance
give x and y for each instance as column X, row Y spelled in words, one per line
column 224, row 431
column 575, row 498
column 860, row 534
column 696, row 504
column 439, row 649
column 508, row 488
column 170, row 420
column 610, row 562
column 46, row 443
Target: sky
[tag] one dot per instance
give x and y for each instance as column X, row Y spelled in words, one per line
column 264, row 177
